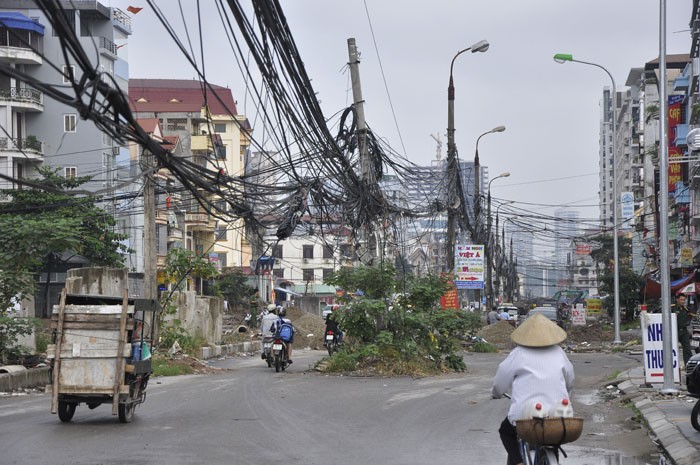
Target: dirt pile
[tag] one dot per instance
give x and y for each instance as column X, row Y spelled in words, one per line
column 308, row 328
column 498, row 335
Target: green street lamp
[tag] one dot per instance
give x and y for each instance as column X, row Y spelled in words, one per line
column 564, row 58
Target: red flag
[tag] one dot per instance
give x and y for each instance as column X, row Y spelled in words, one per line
column 134, row 9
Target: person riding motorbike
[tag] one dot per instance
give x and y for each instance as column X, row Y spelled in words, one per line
column 332, row 324
column 266, row 323
column 281, row 313
column 537, row 372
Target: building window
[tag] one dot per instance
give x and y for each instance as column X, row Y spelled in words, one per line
column 219, row 127
column 308, row 251
column 70, row 172
column 278, row 273
column 277, row 251
column 327, row 272
column 70, row 121
column 68, row 74
column 308, row 274
column 176, row 124
column 70, row 19
column 327, row 251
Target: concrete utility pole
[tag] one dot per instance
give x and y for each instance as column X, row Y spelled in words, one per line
column 367, row 255
column 150, row 257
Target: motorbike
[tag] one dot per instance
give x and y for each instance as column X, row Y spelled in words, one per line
column 280, row 354
column 331, row 342
column 695, row 338
column 267, row 350
column 692, row 382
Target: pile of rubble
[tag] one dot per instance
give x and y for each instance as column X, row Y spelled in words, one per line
column 498, row 335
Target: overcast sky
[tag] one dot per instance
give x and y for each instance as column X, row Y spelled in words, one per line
column 551, row 111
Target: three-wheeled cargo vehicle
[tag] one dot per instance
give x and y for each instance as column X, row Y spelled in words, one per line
column 100, row 353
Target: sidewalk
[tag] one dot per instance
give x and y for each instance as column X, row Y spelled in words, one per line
column 668, row 417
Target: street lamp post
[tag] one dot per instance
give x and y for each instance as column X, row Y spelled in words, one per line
column 452, row 168
column 489, row 253
column 563, row 58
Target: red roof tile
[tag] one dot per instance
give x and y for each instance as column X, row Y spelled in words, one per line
column 148, row 124
column 179, row 95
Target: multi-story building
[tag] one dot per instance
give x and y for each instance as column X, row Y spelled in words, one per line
column 566, row 228
column 38, row 131
column 42, row 131
column 212, row 134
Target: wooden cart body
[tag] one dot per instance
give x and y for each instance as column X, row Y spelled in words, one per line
column 96, row 354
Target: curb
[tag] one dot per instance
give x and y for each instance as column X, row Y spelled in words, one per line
column 216, row 351
column 679, row 449
column 34, row 377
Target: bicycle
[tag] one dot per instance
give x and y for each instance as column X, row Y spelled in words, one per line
column 546, row 443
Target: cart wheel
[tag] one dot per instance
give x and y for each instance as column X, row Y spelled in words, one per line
column 126, row 412
column 695, row 416
column 66, row 410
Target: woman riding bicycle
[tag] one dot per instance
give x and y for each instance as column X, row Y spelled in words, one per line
column 537, row 373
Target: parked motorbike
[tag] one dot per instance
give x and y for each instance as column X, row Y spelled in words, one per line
column 280, row 354
column 692, row 381
column 267, row 350
column 695, row 338
column 331, row 342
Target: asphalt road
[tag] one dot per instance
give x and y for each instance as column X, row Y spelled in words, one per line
column 251, row 415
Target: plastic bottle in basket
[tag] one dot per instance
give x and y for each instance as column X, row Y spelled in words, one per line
column 536, row 410
column 564, row 409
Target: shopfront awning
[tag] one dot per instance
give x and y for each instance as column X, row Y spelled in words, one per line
column 652, row 288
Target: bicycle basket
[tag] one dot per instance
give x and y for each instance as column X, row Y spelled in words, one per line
column 549, row 431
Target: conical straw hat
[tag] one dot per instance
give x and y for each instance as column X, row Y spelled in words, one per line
column 538, row 331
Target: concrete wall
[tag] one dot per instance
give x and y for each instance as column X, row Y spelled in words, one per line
column 97, row 281
column 35, row 377
column 201, row 316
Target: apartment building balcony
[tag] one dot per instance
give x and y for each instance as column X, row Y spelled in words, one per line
column 28, row 147
column 121, row 20
column 23, row 98
column 199, row 222
column 212, row 144
column 161, row 217
column 174, row 235
column 108, row 48
column 21, row 39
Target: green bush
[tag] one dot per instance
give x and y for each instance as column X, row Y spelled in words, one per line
column 175, row 332
column 407, row 334
column 42, row 342
column 10, row 330
column 483, row 347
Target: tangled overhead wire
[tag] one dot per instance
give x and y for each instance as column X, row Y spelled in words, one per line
column 305, row 170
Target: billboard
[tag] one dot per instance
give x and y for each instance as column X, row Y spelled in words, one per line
column 652, row 342
column 469, row 266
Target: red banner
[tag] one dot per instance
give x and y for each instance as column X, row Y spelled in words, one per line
column 675, row 173
column 450, row 299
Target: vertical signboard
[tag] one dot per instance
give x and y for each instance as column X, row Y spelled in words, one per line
column 578, row 315
column 653, row 345
column 469, row 266
column 675, row 173
column 449, row 300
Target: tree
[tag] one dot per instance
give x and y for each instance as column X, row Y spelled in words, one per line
column 629, row 281
column 41, row 223
column 181, row 263
column 233, row 286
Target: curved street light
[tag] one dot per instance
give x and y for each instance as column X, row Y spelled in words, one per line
column 562, row 58
column 480, row 46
